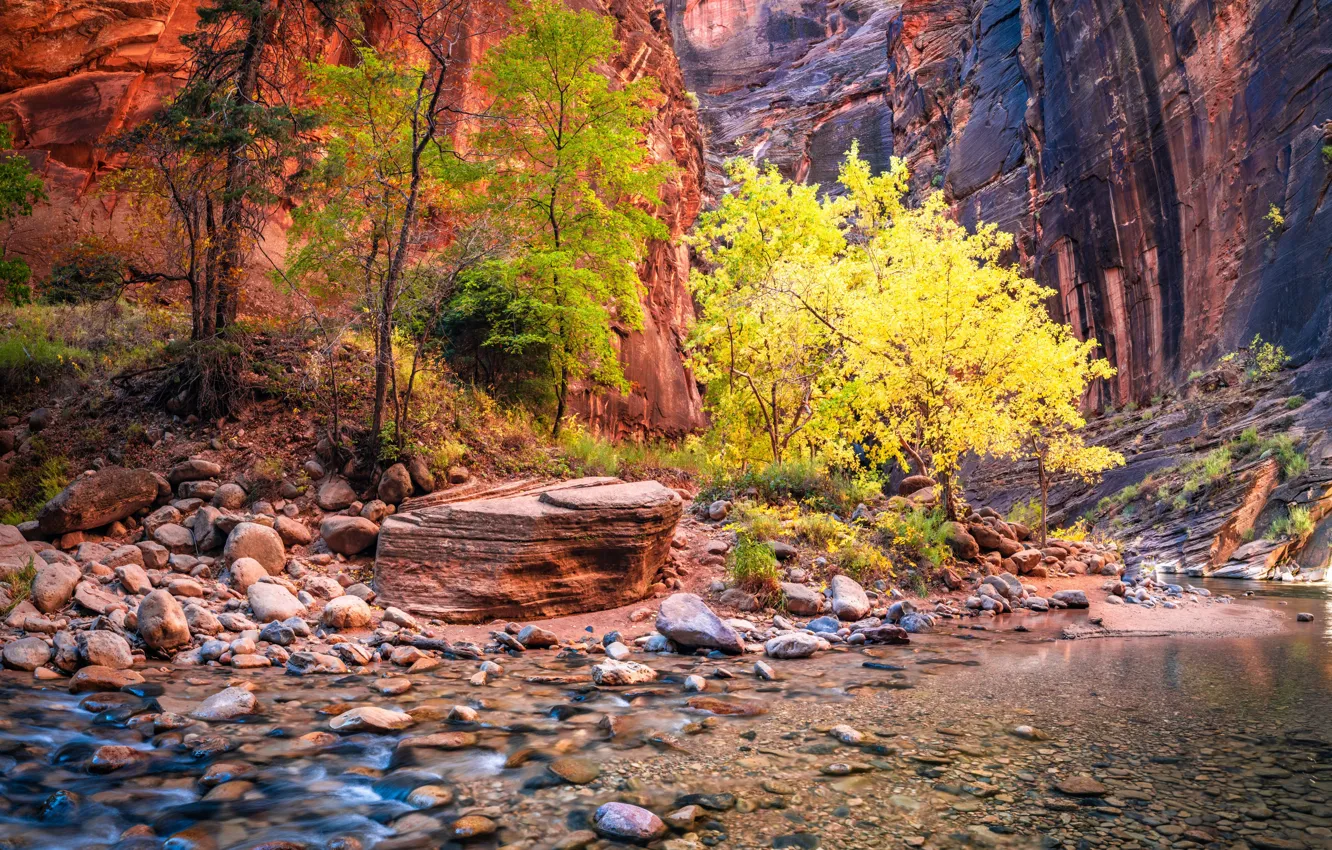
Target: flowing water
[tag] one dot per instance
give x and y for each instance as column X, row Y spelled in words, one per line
column 971, row 737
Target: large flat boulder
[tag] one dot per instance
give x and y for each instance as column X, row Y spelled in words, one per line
column 98, row 499
column 551, row 550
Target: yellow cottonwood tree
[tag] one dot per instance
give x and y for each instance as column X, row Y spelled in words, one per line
column 946, row 330
column 862, row 320
column 770, row 335
column 1048, row 413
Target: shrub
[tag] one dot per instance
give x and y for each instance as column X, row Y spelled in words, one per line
column 18, row 586
column 753, row 567
column 916, row 535
column 818, row 529
column 776, row 482
column 1075, row 533
column 1288, row 455
column 1276, row 221
column 1026, row 513
column 86, row 274
column 758, row 522
column 1265, row 359
column 30, row 355
column 1295, row 525
column 1195, row 374
column 1295, row 402
column 1327, row 154
column 861, row 560
column 34, row 480
column 1207, row 471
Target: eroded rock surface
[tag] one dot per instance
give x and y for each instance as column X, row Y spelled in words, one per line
column 581, row 545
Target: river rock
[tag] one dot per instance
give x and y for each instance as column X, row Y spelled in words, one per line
column 535, row 637
column 162, row 623
column 347, row 612
column 395, row 484
column 27, row 653
column 271, row 601
column 226, row 705
column 292, row 531
column 369, row 718
column 964, row 546
column 334, row 494
column 201, row 621
column 93, row 679
column 801, row 600
column 194, row 469
column 15, row 551
column 54, row 586
column 245, row 572
column 581, row 545
column 230, row 496
column 687, row 621
column 99, row 499
column 105, row 649
column 627, row 822
column 792, row 645
column 348, row 535
column 849, row 601
column 252, row 540
column 1070, row 598
column 612, row 672
column 133, row 579
column 92, row 597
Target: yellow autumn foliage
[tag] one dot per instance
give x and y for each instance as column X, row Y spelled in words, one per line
column 861, row 321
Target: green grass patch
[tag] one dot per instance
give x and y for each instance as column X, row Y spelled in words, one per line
column 1295, row 525
column 753, row 567
column 35, row 479
column 18, row 586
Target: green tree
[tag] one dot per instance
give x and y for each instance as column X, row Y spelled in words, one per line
column 390, row 166
column 20, row 189
column 224, row 150
column 571, row 153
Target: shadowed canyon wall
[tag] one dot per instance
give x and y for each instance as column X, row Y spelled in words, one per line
column 73, row 73
column 1133, row 146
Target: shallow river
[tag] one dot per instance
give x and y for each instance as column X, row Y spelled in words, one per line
column 1146, row 742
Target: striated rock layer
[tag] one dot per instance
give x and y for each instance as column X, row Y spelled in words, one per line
column 74, row 73
column 1134, row 146
column 582, row 545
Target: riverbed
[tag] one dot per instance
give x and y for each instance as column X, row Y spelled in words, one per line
column 976, row 735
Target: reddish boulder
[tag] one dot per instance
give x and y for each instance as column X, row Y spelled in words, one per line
column 98, row 499
column 577, row 546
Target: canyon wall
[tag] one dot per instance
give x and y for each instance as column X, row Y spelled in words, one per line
column 1135, row 147
column 74, row 73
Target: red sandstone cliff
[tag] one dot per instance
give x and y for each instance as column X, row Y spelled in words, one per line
column 1133, row 145
column 73, row 73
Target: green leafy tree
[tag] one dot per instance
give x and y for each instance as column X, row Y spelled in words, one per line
column 20, row 189
column 225, row 149
column 571, row 153
column 389, row 168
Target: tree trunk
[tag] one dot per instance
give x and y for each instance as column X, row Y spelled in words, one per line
column 562, row 390
column 946, row 485
column 1045, row 496
column 231, row 253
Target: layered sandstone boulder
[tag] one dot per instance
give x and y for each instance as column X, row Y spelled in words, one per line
column 580, row 545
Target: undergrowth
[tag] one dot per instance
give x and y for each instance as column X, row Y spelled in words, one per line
column 18, row 586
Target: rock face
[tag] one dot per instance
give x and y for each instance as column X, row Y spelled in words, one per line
column 98, row 499
column 577, row 546
column 1133, row 146
column 72, row 75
